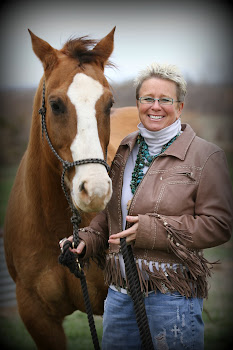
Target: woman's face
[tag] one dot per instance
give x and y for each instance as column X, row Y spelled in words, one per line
column 154, row 116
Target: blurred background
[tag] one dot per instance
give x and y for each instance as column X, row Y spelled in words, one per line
column 195, row 35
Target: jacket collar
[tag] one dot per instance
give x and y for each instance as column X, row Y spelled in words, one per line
column 177, row 149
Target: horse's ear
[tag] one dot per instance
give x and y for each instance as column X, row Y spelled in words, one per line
column 45, row 52
column 105, row 48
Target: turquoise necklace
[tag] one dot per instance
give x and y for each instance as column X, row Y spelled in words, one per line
column 144, row 159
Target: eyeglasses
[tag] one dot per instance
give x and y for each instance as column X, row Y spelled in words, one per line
column 161, row 101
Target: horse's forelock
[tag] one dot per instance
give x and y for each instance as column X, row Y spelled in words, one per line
column 81, row 50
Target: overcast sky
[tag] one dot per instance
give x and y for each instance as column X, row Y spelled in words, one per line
column 197, row 36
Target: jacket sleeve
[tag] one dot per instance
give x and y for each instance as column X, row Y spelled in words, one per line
column 95, row 236
column 210, row 226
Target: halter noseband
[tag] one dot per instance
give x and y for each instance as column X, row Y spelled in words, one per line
column 66, row 164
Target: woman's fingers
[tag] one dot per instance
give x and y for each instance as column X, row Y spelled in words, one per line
column 132, row 218
column 129, row 234
column 77, row 250
column 62, row 241
column 117, row 240
column 80, row 247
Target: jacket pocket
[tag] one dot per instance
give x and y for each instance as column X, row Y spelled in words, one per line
column 177, row 191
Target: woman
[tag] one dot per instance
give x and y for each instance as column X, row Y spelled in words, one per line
column 172, row 198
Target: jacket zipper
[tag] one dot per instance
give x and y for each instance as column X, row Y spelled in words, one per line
column 189, row 174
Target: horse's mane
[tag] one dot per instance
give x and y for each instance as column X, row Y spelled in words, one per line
column 81, row 49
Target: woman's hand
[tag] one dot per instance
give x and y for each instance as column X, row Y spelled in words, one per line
column 79, row 248
column 130, row 233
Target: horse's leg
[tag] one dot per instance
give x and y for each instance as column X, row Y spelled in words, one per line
column 46, row 330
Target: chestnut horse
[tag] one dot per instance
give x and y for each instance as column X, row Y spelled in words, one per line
column 78, row 100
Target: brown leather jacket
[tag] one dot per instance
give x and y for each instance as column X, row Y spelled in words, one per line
column 184, row 204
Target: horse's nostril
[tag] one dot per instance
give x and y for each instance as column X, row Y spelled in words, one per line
column 82, row 187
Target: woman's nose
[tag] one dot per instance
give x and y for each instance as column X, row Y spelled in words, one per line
column 156, row 105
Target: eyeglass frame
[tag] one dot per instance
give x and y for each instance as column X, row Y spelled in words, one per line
column 158, row 99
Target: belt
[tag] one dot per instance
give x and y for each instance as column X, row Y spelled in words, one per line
column 124, row 286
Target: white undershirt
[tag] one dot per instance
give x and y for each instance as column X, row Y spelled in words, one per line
column 155, row 141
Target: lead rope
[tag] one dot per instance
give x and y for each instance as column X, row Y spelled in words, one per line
column 67, row 258
column 70, row 260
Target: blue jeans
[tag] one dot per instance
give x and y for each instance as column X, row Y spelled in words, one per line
column 175, row 322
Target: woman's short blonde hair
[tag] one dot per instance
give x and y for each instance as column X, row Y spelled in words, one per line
column 162, row 71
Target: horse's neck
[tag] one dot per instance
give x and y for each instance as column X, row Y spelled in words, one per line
column 44, row 183
column 43, row 180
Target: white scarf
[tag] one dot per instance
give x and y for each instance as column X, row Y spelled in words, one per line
column 157, row 139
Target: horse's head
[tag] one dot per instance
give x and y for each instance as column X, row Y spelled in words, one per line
column 78, row 102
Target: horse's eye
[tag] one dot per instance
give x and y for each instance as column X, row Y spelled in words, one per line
column 109, row 105
column 57, row 107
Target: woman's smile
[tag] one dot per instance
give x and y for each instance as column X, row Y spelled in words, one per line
column 155, row 117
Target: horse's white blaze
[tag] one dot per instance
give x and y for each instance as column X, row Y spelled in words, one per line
column 84, row 92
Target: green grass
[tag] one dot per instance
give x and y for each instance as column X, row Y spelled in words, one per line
column 78, row 333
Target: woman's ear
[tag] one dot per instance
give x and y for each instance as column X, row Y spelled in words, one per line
column 180, row 107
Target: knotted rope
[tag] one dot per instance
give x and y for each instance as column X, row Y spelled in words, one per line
column 70, row 260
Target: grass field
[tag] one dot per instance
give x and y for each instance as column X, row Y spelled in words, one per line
column 218, row 309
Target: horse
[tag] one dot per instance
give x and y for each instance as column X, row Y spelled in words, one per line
column 77, row 100
column 124, row 116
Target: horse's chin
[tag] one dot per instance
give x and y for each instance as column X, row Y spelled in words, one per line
column 93, row 206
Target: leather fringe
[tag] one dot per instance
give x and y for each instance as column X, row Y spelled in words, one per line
column 180, row 280
column 190, row 278
column 199, row 269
